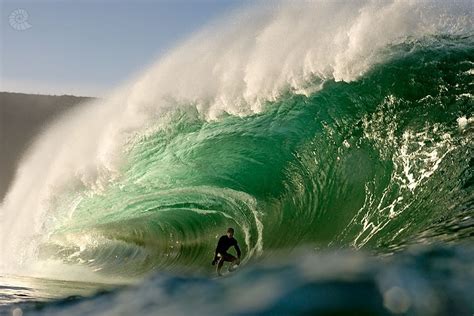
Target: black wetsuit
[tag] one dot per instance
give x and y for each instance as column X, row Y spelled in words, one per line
column 223, row 245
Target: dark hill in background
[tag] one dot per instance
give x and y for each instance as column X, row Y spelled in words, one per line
column 22, row 117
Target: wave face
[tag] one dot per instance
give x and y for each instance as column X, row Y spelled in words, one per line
column 340, row 136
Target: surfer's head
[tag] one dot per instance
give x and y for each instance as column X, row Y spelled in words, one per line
column 230, row 232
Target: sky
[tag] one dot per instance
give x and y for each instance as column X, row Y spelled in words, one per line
column 89, row 47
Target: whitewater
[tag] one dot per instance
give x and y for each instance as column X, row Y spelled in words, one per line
column 315, row 124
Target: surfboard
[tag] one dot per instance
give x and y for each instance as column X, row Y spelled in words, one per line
column 232, row 268
column 227, row 272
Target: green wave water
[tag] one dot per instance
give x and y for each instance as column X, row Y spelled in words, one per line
column 376, row 163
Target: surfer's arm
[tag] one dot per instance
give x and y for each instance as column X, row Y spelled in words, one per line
column 237, row 248
column 218, row 246
column 214, row 261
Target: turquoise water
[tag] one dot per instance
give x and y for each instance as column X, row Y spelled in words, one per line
column 367, row 164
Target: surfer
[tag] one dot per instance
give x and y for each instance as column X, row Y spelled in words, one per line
column 221, row 255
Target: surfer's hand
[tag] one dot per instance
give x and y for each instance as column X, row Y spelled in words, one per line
column 213, row 262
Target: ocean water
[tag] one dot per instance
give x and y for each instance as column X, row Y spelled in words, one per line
column 336, row 138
